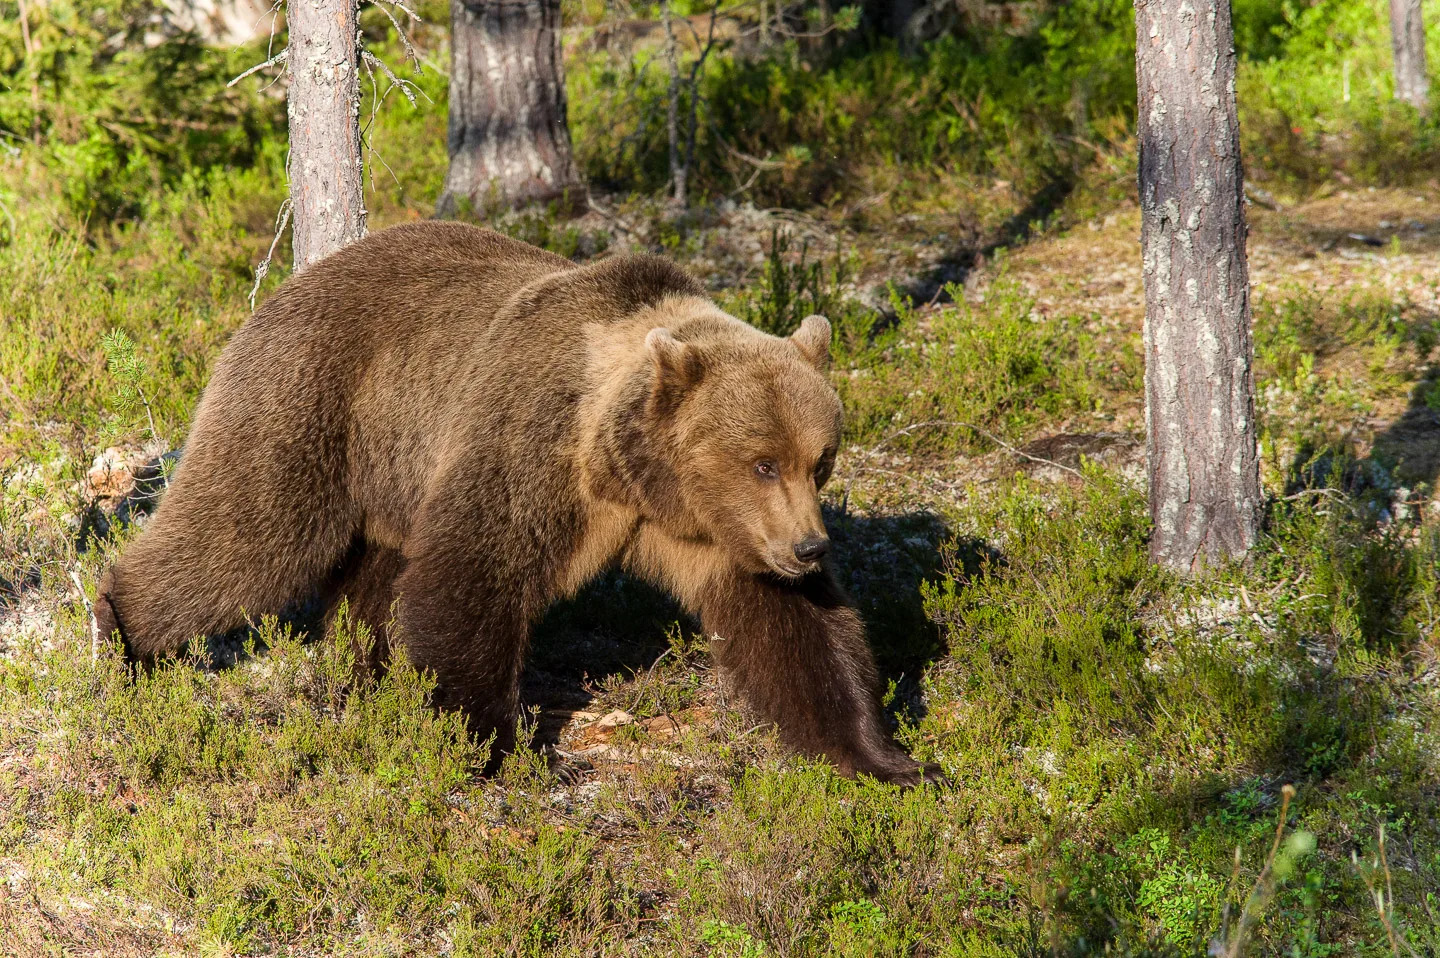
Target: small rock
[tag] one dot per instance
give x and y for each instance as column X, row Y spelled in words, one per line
column 663, row 728
column 112, row 475
column 125, row 479
column 615, row 719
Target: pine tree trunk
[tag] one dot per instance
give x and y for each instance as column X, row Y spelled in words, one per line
column 679, row 172
column 327, row 190
column 1199, row 386
column 1407, row 39
column 509, row 140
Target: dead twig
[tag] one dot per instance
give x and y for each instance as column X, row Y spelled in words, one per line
column 640, row 692
column 90, row 611
column 1384, row 899
column 875, row 450
column 1322, row 491
column 262, row 270
column 409, row 48
column 1257, row 893
column 406, row 87
column 277, row 60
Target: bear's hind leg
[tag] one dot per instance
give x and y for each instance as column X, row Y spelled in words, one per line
column 797, row 652
column 188, row 575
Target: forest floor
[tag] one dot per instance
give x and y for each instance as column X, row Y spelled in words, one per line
column 1118, row 741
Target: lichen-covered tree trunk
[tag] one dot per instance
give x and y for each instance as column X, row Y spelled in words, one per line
column 327, row 192
column 1199, row 385
column 509, row 141
column 1407, row 39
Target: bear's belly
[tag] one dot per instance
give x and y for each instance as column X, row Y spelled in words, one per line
column 609, row 528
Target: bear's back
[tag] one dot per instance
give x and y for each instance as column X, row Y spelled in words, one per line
column 397, row 279
column 394, row 349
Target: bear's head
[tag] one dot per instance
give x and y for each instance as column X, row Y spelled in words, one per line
column 753, row 425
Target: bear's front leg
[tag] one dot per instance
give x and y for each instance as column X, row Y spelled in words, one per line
column 797, row 651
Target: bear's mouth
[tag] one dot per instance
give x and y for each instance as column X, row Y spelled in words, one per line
column 793, row 570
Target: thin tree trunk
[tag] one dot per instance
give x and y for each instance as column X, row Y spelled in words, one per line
column 32, row 64
column 327, row 191
column 1407, row 39
column 892, row 18
column 509, row 139
column 693, row 121
column 678, row 172
column 1199, row 385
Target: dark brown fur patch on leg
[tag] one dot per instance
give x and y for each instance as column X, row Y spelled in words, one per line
column 797, row 652
column 107, row 620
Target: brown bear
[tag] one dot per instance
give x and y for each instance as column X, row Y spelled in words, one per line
column 453, row 419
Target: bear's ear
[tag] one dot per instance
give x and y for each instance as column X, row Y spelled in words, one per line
column 813, row 341
column 676, row 364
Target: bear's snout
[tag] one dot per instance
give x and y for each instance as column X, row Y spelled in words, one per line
column 812, row 549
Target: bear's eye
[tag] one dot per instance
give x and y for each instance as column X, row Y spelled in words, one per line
column 823, row 469
column 766, row 469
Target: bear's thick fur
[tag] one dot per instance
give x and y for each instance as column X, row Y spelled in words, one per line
column 446, row 417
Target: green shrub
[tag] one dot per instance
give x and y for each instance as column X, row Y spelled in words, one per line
column 869, row 117
column 1321, row 100
column 995, row 365
column 120, row 118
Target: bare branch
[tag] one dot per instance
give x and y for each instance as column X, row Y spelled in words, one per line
column 414, row 17
column 410, row 53
column 90, row 614
column 672, row 106
column 406, row 87
column 275, row 61
column 875, row 450
column 377, row 100
column 263, row 269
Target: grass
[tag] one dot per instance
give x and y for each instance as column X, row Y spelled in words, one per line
column 1114, row 737
column 1122, row 744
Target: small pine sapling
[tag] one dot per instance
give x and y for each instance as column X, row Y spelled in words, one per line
column 128, row 370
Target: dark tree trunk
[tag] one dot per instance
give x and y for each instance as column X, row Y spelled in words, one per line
column 1407, row 39
column 891, row 18
column 1199, row 386
column 327, row 191
column 509, row 141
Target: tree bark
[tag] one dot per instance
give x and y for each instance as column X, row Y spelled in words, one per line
column 1407, row 40
column 509, row 140
column 327, row 189
column 679, row 172
column 1199, row 386
column 32, row 65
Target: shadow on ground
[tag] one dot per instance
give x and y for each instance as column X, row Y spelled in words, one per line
column 619, row 626
column 1404, row 457
column 1410, row 447
column 955, row 267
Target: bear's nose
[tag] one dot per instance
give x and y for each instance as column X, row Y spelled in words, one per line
column 812, row 549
